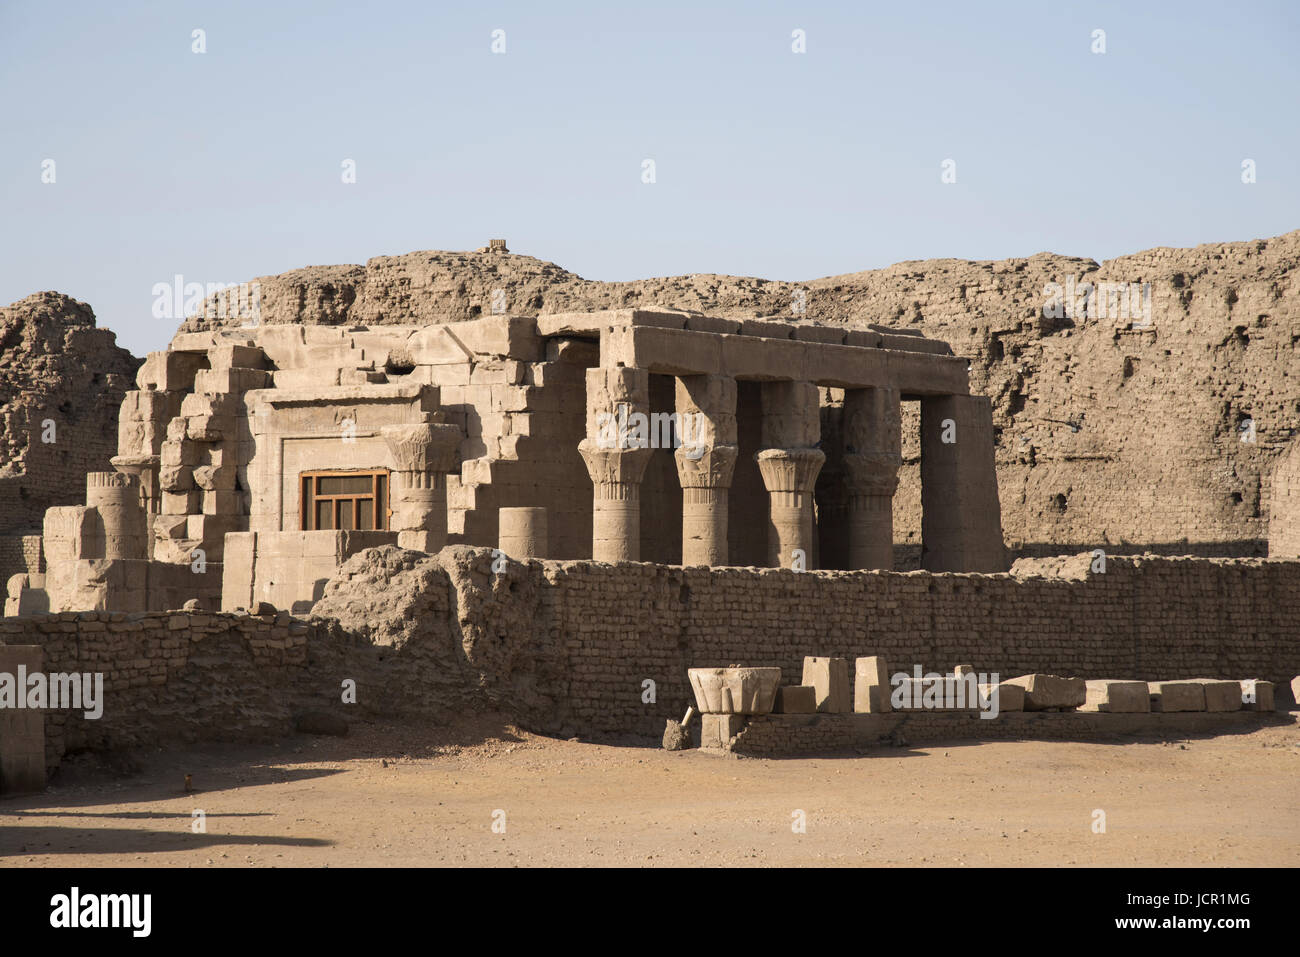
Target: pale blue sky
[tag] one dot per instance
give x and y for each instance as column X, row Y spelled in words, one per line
column 226, row 165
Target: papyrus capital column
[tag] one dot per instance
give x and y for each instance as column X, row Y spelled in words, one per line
column 789, row 464
column 705, row 474
column 423, row 453
column 789, row 476
column 616, row 475
column 616, row 460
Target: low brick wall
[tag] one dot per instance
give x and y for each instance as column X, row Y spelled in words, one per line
column 1144, row 618
column 568, row 647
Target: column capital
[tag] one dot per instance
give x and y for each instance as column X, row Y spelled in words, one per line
column 790, row 470
column 614, row 466
column 423, row 446
column 706, row 467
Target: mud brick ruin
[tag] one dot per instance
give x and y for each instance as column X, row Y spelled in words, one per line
column 252, row 462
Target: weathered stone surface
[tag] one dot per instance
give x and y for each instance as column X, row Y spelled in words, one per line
column 1051, row 692
column 1256, row 695
column 829, row 678
column 1117, row 696
column 871, row 685
column 735, row 690
column 1221, row 695
column 717, row 730
column 676, row 738
column 1170, row 696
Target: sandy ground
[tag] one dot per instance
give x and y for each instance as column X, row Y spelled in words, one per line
column 402, row 795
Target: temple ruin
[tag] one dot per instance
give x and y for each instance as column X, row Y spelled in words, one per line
column 252, row 462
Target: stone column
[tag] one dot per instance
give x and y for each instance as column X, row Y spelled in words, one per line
column 706, row 460
column 115, row 498
column 145, row 468
column 522, row 533
column 616, row 452
column 616, row 500
column 789, row 465
column 961, row 518
column 423, row 453
column 872, row 455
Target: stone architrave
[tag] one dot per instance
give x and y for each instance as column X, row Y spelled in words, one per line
column 423, row 453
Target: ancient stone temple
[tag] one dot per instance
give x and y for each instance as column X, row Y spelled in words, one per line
column 253, row 461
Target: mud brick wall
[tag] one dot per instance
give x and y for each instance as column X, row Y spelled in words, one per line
column 565, row 647
column 1146, row 618
column 175, row 679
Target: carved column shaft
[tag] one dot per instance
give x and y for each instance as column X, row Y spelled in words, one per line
column 706, row 461
column 872, row 455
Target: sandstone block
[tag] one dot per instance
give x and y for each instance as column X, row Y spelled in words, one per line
column 1170, row 696
column 1221, row 695
column 1114, row 697
column 1010, row 697
column 1051, row 692
column 717, row 730
column 829, row 678
column 871, row 685
column 1256, row 695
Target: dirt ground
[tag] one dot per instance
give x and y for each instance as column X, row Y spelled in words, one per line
column 403, row 795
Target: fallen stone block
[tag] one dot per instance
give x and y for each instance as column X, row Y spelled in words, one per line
column 1170, row 696
column 939, row 693
column 830, row 679
column 1117, row 697
column 796, row 699
column 871, row 685
column 1221, row 695
column 1009, row 697
column 717, row 730
column 1256, row 695
column 1051, row 692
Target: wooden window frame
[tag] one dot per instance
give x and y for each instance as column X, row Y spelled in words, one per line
column 307, row 516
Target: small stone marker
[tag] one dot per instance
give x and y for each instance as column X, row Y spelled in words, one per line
column 871, row 685
column 829, row 677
